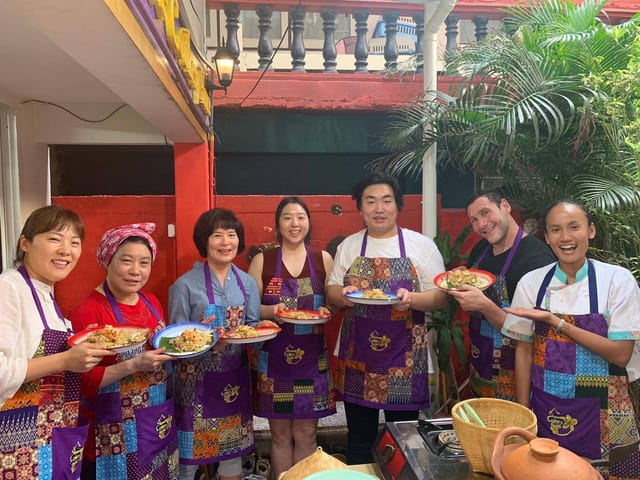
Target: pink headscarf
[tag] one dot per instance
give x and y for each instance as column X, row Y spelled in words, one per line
column 113, row 238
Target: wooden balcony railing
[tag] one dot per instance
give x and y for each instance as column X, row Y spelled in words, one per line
column 403, row 30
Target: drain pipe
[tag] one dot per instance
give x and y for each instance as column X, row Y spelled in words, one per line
column 434, row 18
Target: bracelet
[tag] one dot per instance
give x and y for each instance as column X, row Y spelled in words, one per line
column 560, row 326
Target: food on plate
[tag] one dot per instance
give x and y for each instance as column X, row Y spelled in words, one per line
column 457, row 278
column 374, row 293
column 242, row 331
column 190, row 340
column 111, row 337
column 301, row 314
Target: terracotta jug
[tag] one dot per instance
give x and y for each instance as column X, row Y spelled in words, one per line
column 539, row 458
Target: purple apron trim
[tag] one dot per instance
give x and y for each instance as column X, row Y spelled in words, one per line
column 593, row 286
column 512, row 252
column 156, row 430
column 116, row 308
column 278, row 272
column 25, row 275
column 403, row 252
column 208, row 282
column 211, row 310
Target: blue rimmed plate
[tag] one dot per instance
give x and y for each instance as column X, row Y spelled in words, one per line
column 360, row 297
column 163, row 338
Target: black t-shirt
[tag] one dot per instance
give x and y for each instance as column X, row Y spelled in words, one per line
column 531, row 254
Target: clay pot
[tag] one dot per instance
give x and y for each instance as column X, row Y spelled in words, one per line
column 539, row 458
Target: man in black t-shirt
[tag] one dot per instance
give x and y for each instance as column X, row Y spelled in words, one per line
column 508, row 252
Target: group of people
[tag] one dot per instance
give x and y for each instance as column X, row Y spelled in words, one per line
column 557, row 332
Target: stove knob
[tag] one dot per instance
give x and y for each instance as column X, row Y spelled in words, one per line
column 387, row 453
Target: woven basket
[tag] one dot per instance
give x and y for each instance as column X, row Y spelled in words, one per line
column 477, row 441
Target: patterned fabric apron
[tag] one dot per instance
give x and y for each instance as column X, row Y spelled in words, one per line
column 136, row 435
column 493, row 356
column 382, row 362
column 580, row 399
column 213, row 393
column 293, row 368
column 39, row 432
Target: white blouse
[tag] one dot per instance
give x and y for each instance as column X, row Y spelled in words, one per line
column 618, row 301
column 21, row 328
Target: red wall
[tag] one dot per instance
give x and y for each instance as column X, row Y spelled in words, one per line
column 102, row 213
column 256, row 212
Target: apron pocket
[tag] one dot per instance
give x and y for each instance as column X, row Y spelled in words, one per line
column 573, row 422
column 227, row 393
column 156, row 430
column 294, row 356
column 67, row 445
column 380, row 343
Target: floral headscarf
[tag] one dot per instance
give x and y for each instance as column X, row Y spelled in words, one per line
column 113, row 238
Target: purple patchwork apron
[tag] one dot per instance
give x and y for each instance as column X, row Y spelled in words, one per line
column 581, row 400
column 213, row 393
column 293, row 376
column 383, row 357
column 39, row 432
column 136, row 434
column 492, row 360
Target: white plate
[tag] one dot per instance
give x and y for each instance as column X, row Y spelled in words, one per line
column 266, row 333
column 356, row 297
column 174, row 330
column 318, row 319
column 84, row 335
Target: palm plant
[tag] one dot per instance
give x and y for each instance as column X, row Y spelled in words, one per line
column 533, row 107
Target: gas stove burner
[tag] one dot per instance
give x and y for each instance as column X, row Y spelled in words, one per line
column 421, row 450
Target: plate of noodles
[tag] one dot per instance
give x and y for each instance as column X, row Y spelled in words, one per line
column 373, row 296
column 186, row 340
column 454, row 279
column 119, row 339
column 304, row 317
column 247, row 334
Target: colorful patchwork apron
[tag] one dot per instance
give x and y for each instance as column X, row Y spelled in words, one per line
column 382, row 362
column 136, row 434
column 293, row 379
column 493, row 356
column 39, row 432
column 580, row 399
column 213, row 393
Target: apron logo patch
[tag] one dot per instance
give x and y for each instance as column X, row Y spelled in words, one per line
column 377, row 342
column 293, row 355
column 76, row 456
column 561, row 425
column 230, row 393
column 475, row 351
column 163, row 426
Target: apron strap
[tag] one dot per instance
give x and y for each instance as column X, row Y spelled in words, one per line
column 113, row 303
column 43, row 318
column 208, row 282
column 403, row 252
column 512, row 252
column 593, row 286
column 278, row 271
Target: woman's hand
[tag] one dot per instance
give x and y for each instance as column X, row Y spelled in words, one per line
column 149, row 360
column 534, row 314
column 348, row 289
column 405, row 299
column 83, row 356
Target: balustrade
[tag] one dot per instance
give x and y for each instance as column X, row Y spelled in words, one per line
column 400, row 30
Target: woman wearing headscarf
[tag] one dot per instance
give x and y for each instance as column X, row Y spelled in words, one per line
column 213, row 391
column 40, row 434
column 134, row 434
column 577, row 324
